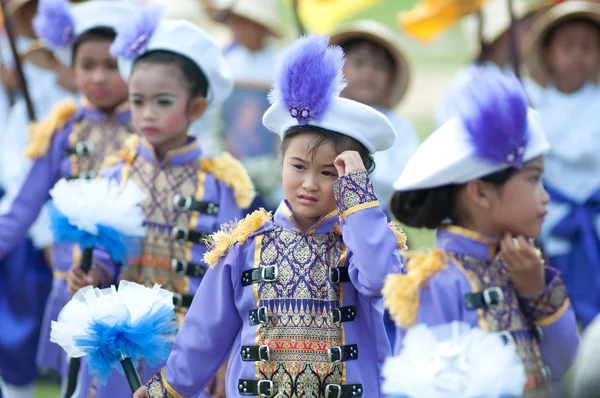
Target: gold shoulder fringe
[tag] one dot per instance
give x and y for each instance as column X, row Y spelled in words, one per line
column 40, row 134
column 400, row 235
column 222, row 241
column 401, row 291
column 229, row 170
column 127, row 153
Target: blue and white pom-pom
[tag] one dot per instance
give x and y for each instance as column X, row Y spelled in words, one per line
column 54, row 23
column 132, row 39
column 99, row 213
column 105, row 326
column 454, row 360
column 493, row 111
column 308, row 75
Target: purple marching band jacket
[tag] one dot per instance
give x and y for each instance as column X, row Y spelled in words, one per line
column 189, row 196
column 465, row 279
column 72, row 142
column 301, row 313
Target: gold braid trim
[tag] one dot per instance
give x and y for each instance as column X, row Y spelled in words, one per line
column 127, row 153
column 222, row 241
column 401, row 291
column 229, row 170
column 400, row 235
column 40, row 134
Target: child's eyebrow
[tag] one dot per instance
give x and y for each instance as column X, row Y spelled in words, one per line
column 298, row 159
column 534, row 168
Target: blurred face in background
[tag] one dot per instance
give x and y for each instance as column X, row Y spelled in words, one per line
column 248, row 33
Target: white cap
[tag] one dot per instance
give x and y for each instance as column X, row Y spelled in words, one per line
column 186, row 39
column 447, row 157
column 361, row 122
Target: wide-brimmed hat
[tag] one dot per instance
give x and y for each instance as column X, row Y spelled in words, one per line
column 378, row 33
column 265, row 14
column 534, row 41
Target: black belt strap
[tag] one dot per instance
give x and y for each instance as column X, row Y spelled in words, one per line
column 89, row 175
column 189, row 203
column 262, row 388
column 255, row 353
column 182, row 301
column 489, row 298
column 339, row 275
column 343, row 391
column 80, row 149
column 343, row 353
column 343, row 314
column 182, row 267
column 258, row 275
column 258, row 316
column 185, row 235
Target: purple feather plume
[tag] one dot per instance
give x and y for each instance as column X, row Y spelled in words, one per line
column 494, row 114
column 54, row 23
column 308, row 75
column 132, row 38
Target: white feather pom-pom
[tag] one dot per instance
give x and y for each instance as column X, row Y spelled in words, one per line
column 454, row 360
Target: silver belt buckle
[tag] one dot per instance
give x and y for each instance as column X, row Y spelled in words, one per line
column 175, row 232
column 487, row 297
column 330, row 352
column 508, row 338
column 329, row 393
column 186, row 205
column 269, row 388
column 275, row 273
column 264, row 349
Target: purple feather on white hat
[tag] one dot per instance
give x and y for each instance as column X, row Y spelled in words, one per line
column 308, row 76
column 54, row 23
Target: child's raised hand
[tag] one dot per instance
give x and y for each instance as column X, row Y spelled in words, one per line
column 348, row 162
column 78, row 279
column 141, row 392
column 525, row 265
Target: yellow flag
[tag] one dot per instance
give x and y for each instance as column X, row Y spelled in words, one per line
column 323, row 16
column 429, row 18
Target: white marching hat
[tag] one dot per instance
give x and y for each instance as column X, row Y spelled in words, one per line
column 309, row 78
column 495, row 130
column 59, row 24
column 147, row 32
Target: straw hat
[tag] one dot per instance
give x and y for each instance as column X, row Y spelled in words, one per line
column 374, row 31
column 534, row 48
column 266, row 14
column 39, row 55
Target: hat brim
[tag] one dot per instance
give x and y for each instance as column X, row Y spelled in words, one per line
column 220, row 15
column 534, row 48
column 402, row 71
column 40, row 56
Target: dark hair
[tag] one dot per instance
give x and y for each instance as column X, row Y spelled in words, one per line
column 339, row 141
column 193, row 75
column 352, row 44
column 547, row 39
column 428, row 208
column 95, row 34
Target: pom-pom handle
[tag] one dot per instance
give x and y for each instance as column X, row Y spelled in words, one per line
column 133, row 378
column 72, row 376
column 86, row 259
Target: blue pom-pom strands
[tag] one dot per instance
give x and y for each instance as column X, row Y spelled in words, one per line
column 308, row 75
column 132, row 39
column 493, row 111
column 54, row 23
column 114, row 329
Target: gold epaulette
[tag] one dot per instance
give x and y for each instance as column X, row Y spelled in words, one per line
column 229, row 170
column 222, row 241
column 400, row 235
column 40, row 134
column 401, row 291
column 127, row 153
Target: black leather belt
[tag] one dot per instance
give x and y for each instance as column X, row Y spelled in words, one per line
column 190, row 269
column 258, row 275
column 489, row 298
column 262, row 388
column 85, row 175
column 182, row 301
column 189, row 203
column 255, row 353
column 343, row 314
column 339, row 275
column 185, row 235
column 343, row 353
column 343, row 390
column 258, row 316
column 534, row 332
column 80, row 149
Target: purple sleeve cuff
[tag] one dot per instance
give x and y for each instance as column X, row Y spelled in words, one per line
column 549, row 306
column 354, row 192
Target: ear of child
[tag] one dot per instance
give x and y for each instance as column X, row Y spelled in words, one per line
column 348, row 162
